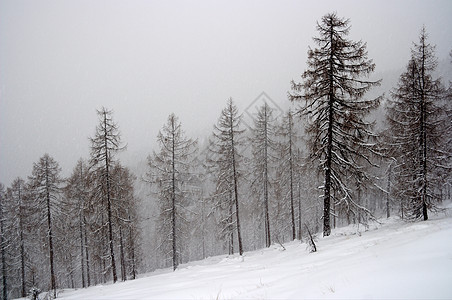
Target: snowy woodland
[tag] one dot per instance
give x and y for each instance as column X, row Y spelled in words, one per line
column 340, row 156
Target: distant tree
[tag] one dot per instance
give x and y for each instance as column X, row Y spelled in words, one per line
column 125, row 219
column 263, row 144
column 418, row 123
column 286, row 167
column 332, row 89
column 3, row 243
column 77, row 194
column 18, row 208
column 46, row 184
column 224, row 165
column 168, row 169
column 104, row 145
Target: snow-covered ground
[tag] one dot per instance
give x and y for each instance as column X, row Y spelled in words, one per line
column 391, row 260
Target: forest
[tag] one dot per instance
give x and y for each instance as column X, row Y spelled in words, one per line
column 326, row 162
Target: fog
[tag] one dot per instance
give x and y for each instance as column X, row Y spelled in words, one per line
column 62, row 60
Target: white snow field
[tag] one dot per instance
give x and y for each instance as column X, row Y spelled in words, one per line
column 391, row 260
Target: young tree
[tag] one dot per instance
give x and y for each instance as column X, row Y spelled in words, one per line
column 224, row 164
column 168, row 169
column 46, row 184
column 287, row 166
column 104, row 145
column 417, row 121
column 332, row 89
column 263, row 144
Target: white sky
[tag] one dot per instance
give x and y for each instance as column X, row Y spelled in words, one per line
column 62, row 60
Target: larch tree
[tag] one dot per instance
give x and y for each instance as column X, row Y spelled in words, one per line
column 168, row 169
column 332, row 93
column 223, row 161
column 77, row 193
column 125, row 219
column 263, row 145
column 287, row 166
column 418, row 123
column 104, row 145
column 18, row 209
column 46, row 184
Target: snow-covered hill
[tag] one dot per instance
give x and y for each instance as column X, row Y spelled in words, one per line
column 393, row 259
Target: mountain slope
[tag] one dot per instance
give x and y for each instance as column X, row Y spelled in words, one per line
column 393, row 259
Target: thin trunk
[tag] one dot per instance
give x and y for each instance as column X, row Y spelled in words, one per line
column 86, row 253
column 327, row 196
column 236, row 194
column 82, row 269
column 49, row 228
column 173, row 200
column 132, row 250
column 123, row 262
column 110, row 225
column 267, row 219
column 22, row 247
column 388, row 191
column 424, row 137
column 291, row 177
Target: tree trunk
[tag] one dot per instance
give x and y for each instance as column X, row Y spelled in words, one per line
column 86, row 254
column 173, row 199
column 49, row 228
column 82, row 269
column 110, row 225
column 121, row 249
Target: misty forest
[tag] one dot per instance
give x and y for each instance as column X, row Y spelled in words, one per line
column 340, row 155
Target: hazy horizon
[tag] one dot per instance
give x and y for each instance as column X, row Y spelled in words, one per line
column 62, row 60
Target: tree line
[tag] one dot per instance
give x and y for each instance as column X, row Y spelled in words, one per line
column 242, row 189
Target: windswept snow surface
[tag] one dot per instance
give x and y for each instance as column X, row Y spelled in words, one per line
column 391, row 260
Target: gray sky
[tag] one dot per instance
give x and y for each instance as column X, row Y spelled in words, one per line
column 62, row 60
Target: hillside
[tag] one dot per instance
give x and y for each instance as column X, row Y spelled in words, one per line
column 391, row 259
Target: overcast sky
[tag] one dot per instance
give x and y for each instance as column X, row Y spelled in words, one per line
column 62, row 60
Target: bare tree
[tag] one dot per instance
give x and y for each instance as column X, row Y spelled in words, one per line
column 104, row 145
column 168, row 169
column 417, row 118
column 46, row 184
column 263, row 144
column 224, row 164
column 77, row 193
column 333, row 91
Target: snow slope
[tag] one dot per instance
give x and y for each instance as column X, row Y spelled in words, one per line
column 392, row 260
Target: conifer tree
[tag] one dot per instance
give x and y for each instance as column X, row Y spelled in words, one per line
column 332, row 97
column 46, row 184
column 263, row 146
column 168, row 169
column 224, row 164
column 104, row 145
column 418, row 123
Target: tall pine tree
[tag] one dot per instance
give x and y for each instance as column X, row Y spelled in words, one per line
column 224, row 164
column 168, row 169
column 332, row 95
column 418, row 123
column 104, row 145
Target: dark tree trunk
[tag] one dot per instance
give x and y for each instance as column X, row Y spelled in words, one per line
column 173, row 198
column 110, row 221
column 49, row 228
column 123, row 261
